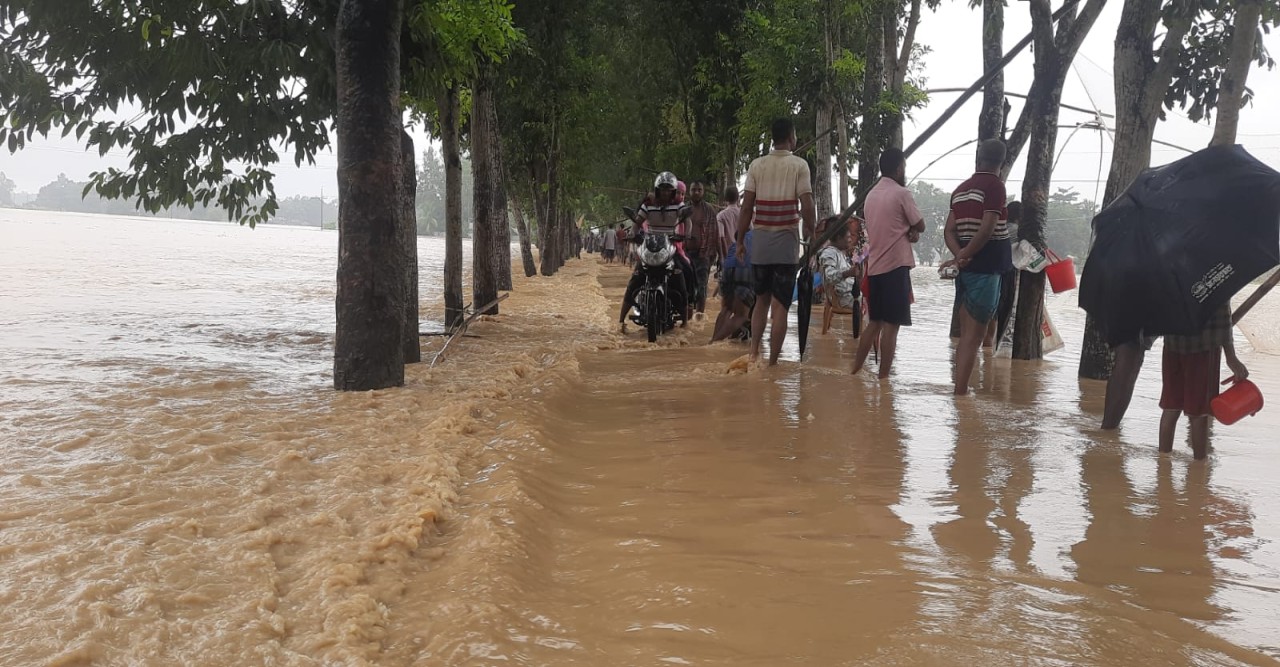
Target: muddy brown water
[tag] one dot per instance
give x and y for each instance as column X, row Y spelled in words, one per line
column 554, row 494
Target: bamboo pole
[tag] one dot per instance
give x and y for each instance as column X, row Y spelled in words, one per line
column 1254, row 298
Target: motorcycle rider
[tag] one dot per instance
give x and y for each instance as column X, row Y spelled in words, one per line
column 662, row 212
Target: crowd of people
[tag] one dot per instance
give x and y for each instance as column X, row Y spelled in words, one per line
column 757, row 246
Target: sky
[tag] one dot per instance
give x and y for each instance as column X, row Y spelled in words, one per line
column 952, row 63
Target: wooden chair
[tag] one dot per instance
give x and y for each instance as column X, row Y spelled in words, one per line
column 829, row 309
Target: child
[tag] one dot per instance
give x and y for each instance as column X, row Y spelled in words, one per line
column 1191, row 367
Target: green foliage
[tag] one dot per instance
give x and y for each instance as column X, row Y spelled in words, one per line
column 450, row 40
column 430, row 196
column 1203, row 58
column 201, row 93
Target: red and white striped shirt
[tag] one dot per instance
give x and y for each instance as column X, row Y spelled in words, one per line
column 778, row 181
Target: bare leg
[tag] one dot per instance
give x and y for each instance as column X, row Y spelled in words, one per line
column 990, row 339
column 758, row 319
column 1168, row 426
column 1124, row 375
column 729, row 320
column 888, row 347
column 1199, row 436
column 721, row 321
column 971, row 332
column 865, row 342
column 777, row 332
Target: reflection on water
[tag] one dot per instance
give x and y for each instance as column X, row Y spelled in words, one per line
column 801, row 516
column 556, row 495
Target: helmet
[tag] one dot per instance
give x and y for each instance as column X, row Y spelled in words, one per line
column 665, row 179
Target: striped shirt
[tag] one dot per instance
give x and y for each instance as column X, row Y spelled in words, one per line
column 664, row 219
column 1215, row 335
column 778, row 180
column 983, row 192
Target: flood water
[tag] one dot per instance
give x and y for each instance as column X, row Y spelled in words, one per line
column 182, row 487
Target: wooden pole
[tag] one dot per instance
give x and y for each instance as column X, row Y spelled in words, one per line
column 1254, row 298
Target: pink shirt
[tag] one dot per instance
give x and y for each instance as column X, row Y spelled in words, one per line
column 890, row 212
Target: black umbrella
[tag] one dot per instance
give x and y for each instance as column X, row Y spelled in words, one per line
column 1180, row 242
column 804, row 293
column 857, row 313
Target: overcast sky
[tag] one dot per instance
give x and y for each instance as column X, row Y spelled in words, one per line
column 953, row 63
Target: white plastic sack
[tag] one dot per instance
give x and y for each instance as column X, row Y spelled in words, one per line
column 1027, row 258
column 1050, row 341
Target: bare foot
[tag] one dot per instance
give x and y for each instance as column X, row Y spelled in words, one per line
column 622, row 328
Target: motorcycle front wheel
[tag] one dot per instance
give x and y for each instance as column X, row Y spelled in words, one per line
column 655, row 305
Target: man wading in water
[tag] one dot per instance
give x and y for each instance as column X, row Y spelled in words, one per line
column 977, row 235
column 703, row 246
column 776, row 196
column 893, row 224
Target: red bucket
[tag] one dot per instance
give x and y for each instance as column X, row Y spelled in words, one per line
column 1242, row 400
column 1061, row 272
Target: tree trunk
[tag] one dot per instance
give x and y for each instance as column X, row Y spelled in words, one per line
column 1035, row 209
column 409, row 239
column 490, row 210
column 870, row 138
column 1054, row 53
column 842, row 156
column 502, row 220
column 1240, row 58
column 367, row 348
column 822, row 161
column 898, row 61
column 991, row 118
column 1141, row 79
column 453, row 298
column 553, row 253
column 526, row 243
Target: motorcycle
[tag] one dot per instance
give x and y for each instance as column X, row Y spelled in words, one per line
column 654, row 309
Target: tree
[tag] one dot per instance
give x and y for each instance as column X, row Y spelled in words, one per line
column 372, row 279
column 1240, row 56
column 934, row 204
column 407, row 233
column 7, row 188
column 491, row 242
column 1143, row 74
column 192, row 137
column 62, row 194
column 448, row 119
column 1201, row 62
column 991, row 120
column 430, row 199
column 452, row 41
column 1054, row 53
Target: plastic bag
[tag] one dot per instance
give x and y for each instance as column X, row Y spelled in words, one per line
column 1051, row 340
column 1027, row 258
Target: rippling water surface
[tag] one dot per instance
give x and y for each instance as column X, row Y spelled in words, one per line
column 181, row 487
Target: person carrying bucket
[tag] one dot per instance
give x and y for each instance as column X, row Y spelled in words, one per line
column 1191, row 367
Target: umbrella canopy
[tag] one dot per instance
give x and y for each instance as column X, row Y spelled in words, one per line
column 1180, row 242
column 804, row 312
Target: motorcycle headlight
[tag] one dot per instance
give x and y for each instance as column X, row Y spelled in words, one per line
column 657, row 257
